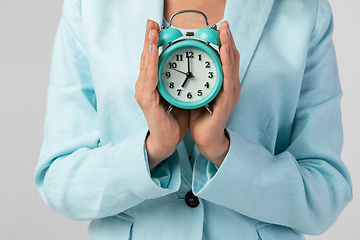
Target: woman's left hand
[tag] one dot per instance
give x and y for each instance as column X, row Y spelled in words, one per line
column 208, row 130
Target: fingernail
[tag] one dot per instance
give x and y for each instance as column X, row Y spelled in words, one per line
column 150, row 49
column 228, row 26
column 228, row 32
column 150, row 34
column 227, row 49
column 147, row 24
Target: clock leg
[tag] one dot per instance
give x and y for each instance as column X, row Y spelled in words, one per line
column 208, row 108
column 169, row 109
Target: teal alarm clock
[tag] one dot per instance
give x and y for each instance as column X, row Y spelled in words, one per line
column 190, row 70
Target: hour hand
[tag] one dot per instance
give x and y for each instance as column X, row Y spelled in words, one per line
column 188, row 76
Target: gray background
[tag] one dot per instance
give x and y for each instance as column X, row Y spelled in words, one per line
column 27, row 31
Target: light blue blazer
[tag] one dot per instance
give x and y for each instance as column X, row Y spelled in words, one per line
column 282, row 177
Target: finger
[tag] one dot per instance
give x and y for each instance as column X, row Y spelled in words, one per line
column 231, row 81
column 151, row 78
column 226, row 60
column 150, row 25
column 154, row 25
column 226, row 51
column 235, row 56
column 151, row 38
column 229, row 45
column 141, row 79
column 227, row 39
column 144, row 52
column 230, row 64
column 152, row 57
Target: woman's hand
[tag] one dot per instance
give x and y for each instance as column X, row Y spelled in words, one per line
column 208, row 130
column 166, row 130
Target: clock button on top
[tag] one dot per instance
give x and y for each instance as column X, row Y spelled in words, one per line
column 191, row 200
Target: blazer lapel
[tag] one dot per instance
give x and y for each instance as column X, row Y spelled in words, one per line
column 247, row 19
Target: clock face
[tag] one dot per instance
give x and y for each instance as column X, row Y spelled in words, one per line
column 190, row 76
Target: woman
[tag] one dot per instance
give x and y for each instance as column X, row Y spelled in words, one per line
column 265, row 165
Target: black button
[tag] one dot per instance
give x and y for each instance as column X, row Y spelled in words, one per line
column 191, row 200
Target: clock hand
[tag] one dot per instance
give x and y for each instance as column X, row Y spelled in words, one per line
column 188, row 76
column 178, row 71
column 188, row 62
column 186, row 79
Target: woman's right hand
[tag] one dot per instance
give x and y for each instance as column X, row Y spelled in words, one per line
column 166, row 130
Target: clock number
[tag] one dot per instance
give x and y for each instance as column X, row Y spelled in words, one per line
column 179, row 91
column 207, row 64
column 199, row 93
column 171, row 85
column 172, row 65
column 210, row 75
column 179, row 58
column 189, row 95
column 207, row 85
column 189, row 54
column 199, row 57
column 167, row 74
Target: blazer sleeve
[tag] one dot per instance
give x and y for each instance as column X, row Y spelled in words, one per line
column 75, row 176
column 307, row 186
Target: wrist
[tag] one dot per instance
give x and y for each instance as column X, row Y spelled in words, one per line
column 217, row 151
column 156, row 152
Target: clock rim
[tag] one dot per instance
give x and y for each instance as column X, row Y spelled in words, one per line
column 186, row 43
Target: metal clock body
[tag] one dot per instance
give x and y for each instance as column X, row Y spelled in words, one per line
column 190, row 74
column 190, row 71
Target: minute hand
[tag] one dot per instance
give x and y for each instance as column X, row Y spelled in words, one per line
column 188, row 62
column 178, row 71
column 188, row 74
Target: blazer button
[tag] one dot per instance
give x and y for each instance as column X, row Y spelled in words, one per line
column 191, row 200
